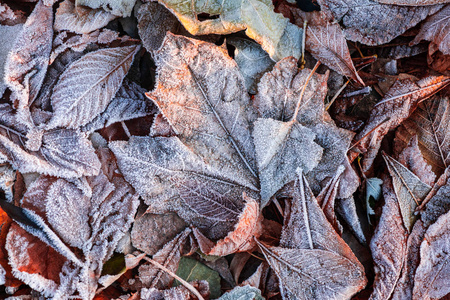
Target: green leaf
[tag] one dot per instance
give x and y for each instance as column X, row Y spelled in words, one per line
column 114, row 265
column 190, row 270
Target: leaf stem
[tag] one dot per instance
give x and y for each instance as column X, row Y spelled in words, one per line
column 297, row 108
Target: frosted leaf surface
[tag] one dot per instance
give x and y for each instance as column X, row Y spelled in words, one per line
column 397, row 104
column 431, row 280
column 6, row 32
column 431, row 123
column 276, row 34
column 409, row 189
column 129, row 103
column 281, row 148
column 314, row 274
column 388, row 246
column 242, row 293
column 438, row 205
column 252, row 60
column 413, row 2
column 435, row 29
column 120, row 8
column 202, row 94
column 80, row 19
column 169, row 256
column 86, row 87
column 27, row 62
column 373, row 23
column 65, row 153
column 170, row 177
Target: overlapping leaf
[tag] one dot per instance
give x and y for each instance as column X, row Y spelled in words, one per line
column 80, row 19
column 121, row 8
column 76, row 102
column 276, row 35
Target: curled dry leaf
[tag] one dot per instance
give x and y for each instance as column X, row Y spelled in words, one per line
column 398, row 104
column 388, row 245
column 373, row 23
column 27, row 62
column 100, row 220
column 80, row 19
column 431, row 123
column 409, row 190
column 242, row 238
column 272, row 31
column 435, row 29
column 63, row 152
column 76, row 102
column 412, row 158
column 431, row 280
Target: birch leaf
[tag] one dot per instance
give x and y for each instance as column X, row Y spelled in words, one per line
column 373, row 23
column 128, row 103
column 431, row 123
column 388, row 245
column 435, row 29
column 409, row 189
column 272, row 31
column 80, row 19
column 27, row 62
column 171, row 178
column 431, row 280
column 63, row 152
column 397, row 105
column 252, row 60
column 120, row 8
column 314, row 274
column 202, row 94
column 76, row 102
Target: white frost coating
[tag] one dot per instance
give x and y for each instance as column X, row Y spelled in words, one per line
column 6, row 32
column 2, row 275
column 121, row 8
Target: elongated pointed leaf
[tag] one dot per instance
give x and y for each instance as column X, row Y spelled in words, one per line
column 87, row 86
column 276, row 35
column 410, row 190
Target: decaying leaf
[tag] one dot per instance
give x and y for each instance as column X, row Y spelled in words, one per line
column 80, row 19
column 388, row 245
column 121, row 8
column 431, row 280
column 314, row 274
column 373, row 23
column 242, row 238
column 100, row 222
column 435, row 29
column 398, row 104
column 169, row 256
column 272, row 31
column 431, row 123
column 76, row 102
column 27, row 62
column 409, row 190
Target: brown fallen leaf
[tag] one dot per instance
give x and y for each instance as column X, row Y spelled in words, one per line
column 431, row 280
column 397, row 105
column 388, row 245
column 413, row 2
column 431, row 123
column 373, row 23
column 242, row 238
column 325, row 40
column 435, row 29
column 438, row 205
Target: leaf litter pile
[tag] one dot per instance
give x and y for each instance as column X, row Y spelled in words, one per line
column 249, row 149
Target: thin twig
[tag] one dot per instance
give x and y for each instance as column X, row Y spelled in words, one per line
column 183, row 282
column 278, row 206
column 337, row 94
column 297, row 108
